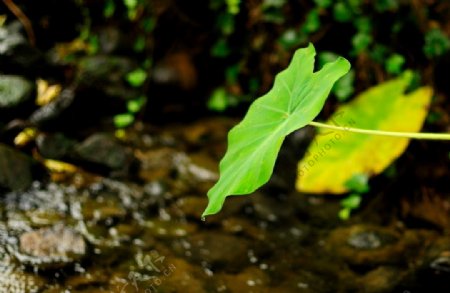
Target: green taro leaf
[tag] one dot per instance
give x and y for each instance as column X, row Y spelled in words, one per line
column 296, row 98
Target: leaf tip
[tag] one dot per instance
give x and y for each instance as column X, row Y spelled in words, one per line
column 210, row 210
column 214, row 205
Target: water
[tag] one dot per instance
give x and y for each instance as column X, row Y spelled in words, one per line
column 148, row 235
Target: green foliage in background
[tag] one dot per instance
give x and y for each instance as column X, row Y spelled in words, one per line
column 358, row 184
column 136, row 79
column 436, row 43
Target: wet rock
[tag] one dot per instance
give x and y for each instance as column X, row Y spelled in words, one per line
column 16, row 54
column 14, row 90
column 267, row 207
column 208, row 131
column 370, row 240
column 169, row 229
column 15, row 169
column 91, row 277
column 19, row 282
column 193, row 206
column 251, row 280
column 42, row 218
column 380, row 280
column 176, row 69
column 198, row 170
column 441, row 264
column 430, row 209
column 170, row 275
column 102, row 210
column 433, row 272
column 190, row 206
column 106, row 74
column 243, row 226
column 51, row 247
column 43, row 199
column 54, row 146
column 157, row 164
column 316, row 210
column 219, row 250
column 306, row 281
column 369, row 246
column 10, row 37
column 48, row 113
column 104, row 150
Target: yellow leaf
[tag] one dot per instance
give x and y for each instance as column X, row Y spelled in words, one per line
column 75, row 46
column 2, row 19
column 59, row 167
column 335, row 156
column 45, row 92
column 25, row 136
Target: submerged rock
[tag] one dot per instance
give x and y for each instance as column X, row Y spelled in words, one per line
column 381, row 280
column 15, row 169
column 14, row 90
column 433, row 272
column 54, row 146
column 105, row 150
column 219, row 250
column 51, row 247
column 369, row 246
column 307, row 282
column 16, row 54
column 53, row 110
column 251, row 280
column 106, row 74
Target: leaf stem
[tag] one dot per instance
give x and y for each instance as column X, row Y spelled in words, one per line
column 414, row 135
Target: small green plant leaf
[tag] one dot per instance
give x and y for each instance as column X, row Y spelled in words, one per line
column 109, row 9
column 352, row 201
column 220, row 49
column 348, row 204
column 139, row 44
column 358, row 183
column 323, row 3
column 344, row 214
column 123, row 120
column 137, row 77
column 312, row 22
column 361, row 41
column 233, row 6
column 341, row 12
column 297, row 96
column 394, row 64
column 134, row 106
column 219, row 100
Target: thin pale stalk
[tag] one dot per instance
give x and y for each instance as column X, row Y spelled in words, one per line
column 414, row 135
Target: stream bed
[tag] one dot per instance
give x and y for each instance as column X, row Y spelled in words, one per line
column 81, row 232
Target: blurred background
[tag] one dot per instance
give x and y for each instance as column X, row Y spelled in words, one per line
column 114, row 116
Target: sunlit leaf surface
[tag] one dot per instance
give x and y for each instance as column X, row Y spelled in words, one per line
column 296, row 98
